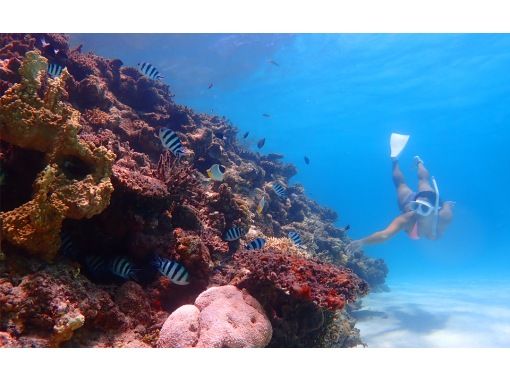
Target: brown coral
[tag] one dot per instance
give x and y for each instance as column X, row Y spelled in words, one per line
column 76, row 181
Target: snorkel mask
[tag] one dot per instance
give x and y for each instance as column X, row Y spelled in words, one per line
column 421, row 207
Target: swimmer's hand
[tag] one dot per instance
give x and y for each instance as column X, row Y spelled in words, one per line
column 354, row 246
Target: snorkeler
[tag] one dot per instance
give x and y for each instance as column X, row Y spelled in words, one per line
column 423, row 214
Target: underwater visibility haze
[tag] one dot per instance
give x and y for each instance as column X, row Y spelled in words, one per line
column 327, row 103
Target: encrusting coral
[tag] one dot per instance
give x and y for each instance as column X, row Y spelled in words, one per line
column 81, row 158
column 76, row 181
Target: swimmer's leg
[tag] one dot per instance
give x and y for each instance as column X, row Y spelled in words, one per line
column 403, row 191
column 423, row 176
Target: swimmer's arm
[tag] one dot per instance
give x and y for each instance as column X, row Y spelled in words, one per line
column 446, row 212
column 445, row 216
column 393, row 228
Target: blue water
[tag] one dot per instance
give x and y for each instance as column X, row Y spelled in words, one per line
column 337, row 98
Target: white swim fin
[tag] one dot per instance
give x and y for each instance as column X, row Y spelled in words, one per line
column 398, row 143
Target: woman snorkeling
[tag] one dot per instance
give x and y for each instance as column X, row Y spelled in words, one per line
column 423, row 214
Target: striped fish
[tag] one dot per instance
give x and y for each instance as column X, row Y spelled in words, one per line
column 149, row 70
column 95, row 265
column 54, row 70
column 280, row 190
column 258, row 243
column 122, row 267
column 173, row 270
column 172, row 142
column 295, row 237
column 67, row 248
column 234, row 233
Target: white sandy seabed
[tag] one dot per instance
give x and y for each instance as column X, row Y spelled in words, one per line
column 457, row 314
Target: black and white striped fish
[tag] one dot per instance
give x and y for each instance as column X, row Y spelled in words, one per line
column 172, row 142
column 67, row 248
column 54, row 70
column 149, row 70
column 173, row 270
column 122, row 267
column 95, row 265
column 258, row 243
column 295, row 237
column 234, row 233
column 280, row 190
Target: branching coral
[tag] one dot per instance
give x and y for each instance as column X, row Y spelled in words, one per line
column 76, row 181
column 178, row 177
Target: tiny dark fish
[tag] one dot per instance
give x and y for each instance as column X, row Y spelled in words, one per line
column 274, row 63
column 210, row 86
column 347, row 227
column 307, row 160
column 175, row 271
column 246, row 135
column 234, row 233
column 280, row 190
column 266, row 115
column 295, row 237
column 172, row 142
column 258, row 243
column 149, row 70
column 261, row 143
column 122, row 267
column 54, row 70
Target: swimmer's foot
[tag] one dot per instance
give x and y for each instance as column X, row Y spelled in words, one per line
column 418, row 160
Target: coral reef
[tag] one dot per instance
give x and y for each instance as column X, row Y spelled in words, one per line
column 221, row 317
column 80, row 158
column 301, row 295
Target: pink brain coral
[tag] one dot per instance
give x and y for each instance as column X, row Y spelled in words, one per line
column 222, row 316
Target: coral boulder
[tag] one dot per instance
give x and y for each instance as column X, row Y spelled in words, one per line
column 222, row 316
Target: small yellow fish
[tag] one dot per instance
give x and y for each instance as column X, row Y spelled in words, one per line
column 260, row 206
column 216, row 172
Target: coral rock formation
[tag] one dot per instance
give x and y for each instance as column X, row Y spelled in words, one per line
column 221, row 317
column 75, row 183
